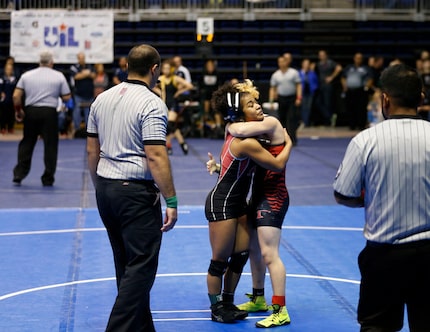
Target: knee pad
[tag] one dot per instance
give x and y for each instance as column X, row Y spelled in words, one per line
column 238, row 261
column 171, row 126
column 217, row 268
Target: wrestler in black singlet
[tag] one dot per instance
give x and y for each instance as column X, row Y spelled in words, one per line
column 228, row 198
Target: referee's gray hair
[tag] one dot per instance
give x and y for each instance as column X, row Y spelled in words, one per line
column 46, row 57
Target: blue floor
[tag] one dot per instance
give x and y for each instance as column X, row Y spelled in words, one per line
column 57, row 271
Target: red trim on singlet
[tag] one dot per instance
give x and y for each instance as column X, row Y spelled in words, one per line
column 271, row 184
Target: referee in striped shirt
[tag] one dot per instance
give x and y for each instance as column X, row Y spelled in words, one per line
column 386, row 169
column 129, row 166
column 40, row 88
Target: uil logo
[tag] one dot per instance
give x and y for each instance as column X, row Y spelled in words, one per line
column 62, row 36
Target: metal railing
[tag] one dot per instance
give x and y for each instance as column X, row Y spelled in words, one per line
column 418, row 10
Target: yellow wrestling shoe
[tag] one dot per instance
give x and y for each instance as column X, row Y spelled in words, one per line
column 256, row 304
column 279, row 317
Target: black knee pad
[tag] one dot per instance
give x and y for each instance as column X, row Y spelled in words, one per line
column 171, row 127
column 217, row 268
column 238, row 261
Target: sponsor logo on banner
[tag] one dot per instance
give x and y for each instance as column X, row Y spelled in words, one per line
column 65, row 33
column 61, row 36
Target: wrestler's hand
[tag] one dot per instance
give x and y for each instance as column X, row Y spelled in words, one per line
column 211, row 164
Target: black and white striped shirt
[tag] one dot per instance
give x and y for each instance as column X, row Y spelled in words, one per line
column 391, row 162
column 126, row 118
column 42, row 87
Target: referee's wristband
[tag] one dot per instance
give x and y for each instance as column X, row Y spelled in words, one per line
column 172, row 202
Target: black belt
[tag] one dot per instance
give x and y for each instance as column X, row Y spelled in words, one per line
column 419, row 243
column 148, row 182
column 31, row 106
column 138, row 181
column 289, row 96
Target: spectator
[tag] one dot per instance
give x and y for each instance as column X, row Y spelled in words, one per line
column 424, row 55
column 209, row 82
column 356, row 82
column 377, row 66
column 170, row 87
column 129, row 167
column 309, row 87
column 82, row 81
column 190, row 111
column 10, row 60
column 286, row 88
column 7, row 114
column 374, row 111
column 327, row 71
column 180, row 69
column 40, row 89
column 424, row 108
column 395, row 61
column 65, row 118
column 120, row 73
column 101, row 79
column 385, row 170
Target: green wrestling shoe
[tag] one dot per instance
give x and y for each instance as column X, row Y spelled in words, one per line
column 256, row 304
column 279, row 317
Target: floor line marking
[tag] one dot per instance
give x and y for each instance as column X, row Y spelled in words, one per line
column 67, row 318
column 163, row 275
column 198, row 319
column 100, row 229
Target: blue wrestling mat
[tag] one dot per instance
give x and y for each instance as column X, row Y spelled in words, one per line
column 57, row 271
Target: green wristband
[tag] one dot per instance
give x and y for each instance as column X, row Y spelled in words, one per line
column 172, row 202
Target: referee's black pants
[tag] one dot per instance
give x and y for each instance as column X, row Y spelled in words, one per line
column 392, row 277
column 289, row 115
column 131, row 213
column 38, row 121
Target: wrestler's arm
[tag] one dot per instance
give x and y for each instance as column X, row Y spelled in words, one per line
column 253, row 128
column 252, row 148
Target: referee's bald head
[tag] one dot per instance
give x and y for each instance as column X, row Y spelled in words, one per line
column 141, row 58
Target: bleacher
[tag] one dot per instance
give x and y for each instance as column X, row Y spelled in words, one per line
column 251, row 47
column 249, row 35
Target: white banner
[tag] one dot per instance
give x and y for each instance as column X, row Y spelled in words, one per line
column 64, row 33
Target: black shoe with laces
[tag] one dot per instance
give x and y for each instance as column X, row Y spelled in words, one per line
column 221, row 313
column 238, row 314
